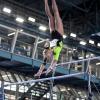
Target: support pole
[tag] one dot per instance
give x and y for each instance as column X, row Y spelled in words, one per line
column 3, row 94
column 89, row 87
column 51, row 85
column 35, row 48
column 14, row 41
column 17, row 92
column 89, row 81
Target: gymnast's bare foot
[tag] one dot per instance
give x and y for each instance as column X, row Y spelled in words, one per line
column 37, row 76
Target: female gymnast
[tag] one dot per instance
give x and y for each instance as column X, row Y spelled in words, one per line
column 55, row 45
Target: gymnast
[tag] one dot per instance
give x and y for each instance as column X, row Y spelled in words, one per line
column 53, row 47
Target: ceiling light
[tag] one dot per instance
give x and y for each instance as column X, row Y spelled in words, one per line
column 73, row 35
column 19, row 19
column 15, row 32
column 43, row 28
column 82, row 43
column 70, row 51
column 64, row 36
column 79, row 92
column 81, row 57
column 98, row 63
column 77, row 99
column 31, row 19
column 98, row 44
column 68, row 89
column 7, row 10
column 74, row 49
column 87, row 56
column 5, row 75
column 11, row 34
column 92, row 55
column 63, row 89
column 91, row 41
column 21, row 30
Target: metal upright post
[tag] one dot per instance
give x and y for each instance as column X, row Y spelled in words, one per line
column 3, row 94
column 51, row 85
column 35, row 48
column 89, row 86
column 17, row 92
column 14, row 41
column 89, row 81
column 31, row 96
column 51, row 90
column 84, row 63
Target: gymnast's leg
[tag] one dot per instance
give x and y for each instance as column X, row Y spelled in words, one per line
column 58, row 20
column 59, row 28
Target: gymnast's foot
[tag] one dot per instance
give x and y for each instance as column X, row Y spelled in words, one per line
column 49, row 71
column 37, row 76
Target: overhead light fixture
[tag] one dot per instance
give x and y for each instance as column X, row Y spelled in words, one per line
column 70, row 51
column 21, row 30
column 15, row 32
column 77, row 99
column 31, row 19
column 98, row 63
column 11, row 34
column 6, row 10
column 98, row 44
column 43, row 28
column 73, row 35
column 79, row 92
column 64, row 36
column 91, row 41
column 87, row 56
column 5, row 75
column 74, row 49
column 68, row 89
column 81, row 57
column 63, row 89
column 92, row 55
column 82, row 43
column 19, row 19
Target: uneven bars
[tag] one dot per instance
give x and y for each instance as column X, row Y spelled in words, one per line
column 46, row 79
column 76, row 61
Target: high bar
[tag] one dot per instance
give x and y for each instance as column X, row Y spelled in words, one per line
column 46, row 79
column 76, row 61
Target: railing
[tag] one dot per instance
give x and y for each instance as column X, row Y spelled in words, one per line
column 15, row 44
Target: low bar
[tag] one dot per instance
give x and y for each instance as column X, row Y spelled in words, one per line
column 46, row 79
column 76, row 61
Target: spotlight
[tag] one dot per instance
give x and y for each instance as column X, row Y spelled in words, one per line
column 43, row 28
column 31, row 19
column 79, row 92
column 64, row 36
column 19, row 19
column 11, row 34
column 73, row 35
column 91, row 41
column 63, row 89
column 98, row 63
column 68, row 89
column 77, row 99
column 81, row 57
column 98, row 44
column 15, row 32
column 82, row 43
column 7, row 10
